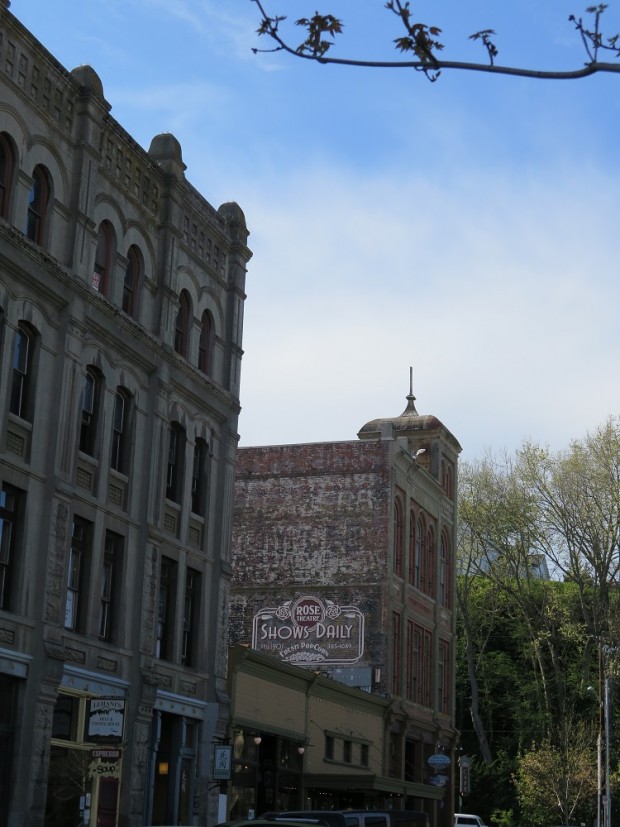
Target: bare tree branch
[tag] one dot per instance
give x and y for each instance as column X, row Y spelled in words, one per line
column 420, row 40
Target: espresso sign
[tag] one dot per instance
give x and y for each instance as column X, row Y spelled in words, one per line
column 309, row 630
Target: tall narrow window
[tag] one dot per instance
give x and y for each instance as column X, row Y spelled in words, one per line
column 75, row 609
column 411, row 568
column 416, row 691
column 205, row 346
column 396, row 653
column 427, row 664
column 443, row 677
column 22, row 380
column 199, row 477
column 91, row 394
column 419, row 533
column 410, row 662
column 347, row 751
column 410, row 762
column 446, row 477
column 191, row 616
column 165, row 609
column 175, row 467
column 112, row 561
column 445, row 585
column 7, row 166
column 131, row 282
column 120, row 432
column 39, row 199
column 10, row 514
column 181, row 331
column 431, row 562
column 398, row 538
column 102, row 271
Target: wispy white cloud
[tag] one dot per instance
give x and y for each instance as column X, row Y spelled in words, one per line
column 192, row 13
column 500, row 292
column 466, row 227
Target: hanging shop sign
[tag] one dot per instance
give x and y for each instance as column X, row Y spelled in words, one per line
column 439, row 760
column 105, row 719
column 464, row 766
column 222, row 762
column 105, row 763
column 309, row 630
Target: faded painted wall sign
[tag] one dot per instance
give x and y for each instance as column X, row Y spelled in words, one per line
column 309, row 630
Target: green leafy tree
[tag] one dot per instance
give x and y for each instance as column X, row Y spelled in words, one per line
column 529, row 647
column 556, row 780
column 422, row 47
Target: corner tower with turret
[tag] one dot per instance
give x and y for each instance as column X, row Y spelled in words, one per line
column 343, row 562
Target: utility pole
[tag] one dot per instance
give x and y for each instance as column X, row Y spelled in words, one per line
column 607, row 686
column 607, row 750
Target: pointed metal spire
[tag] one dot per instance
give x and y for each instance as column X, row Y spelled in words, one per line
column 410, row 409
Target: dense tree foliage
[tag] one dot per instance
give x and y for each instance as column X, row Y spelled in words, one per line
column 555, row 780
column 529, row 681
column 421, row 43
column 538, row 557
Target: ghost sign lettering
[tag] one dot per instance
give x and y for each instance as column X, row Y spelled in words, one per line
column 309, row 630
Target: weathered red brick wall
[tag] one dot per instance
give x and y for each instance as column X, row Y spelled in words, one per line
column 311, row 514
column 312, row 519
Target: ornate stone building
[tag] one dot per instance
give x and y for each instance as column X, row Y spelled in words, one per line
column 121, row 313
column 343, row 561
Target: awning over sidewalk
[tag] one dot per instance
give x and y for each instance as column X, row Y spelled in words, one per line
column 366, row 782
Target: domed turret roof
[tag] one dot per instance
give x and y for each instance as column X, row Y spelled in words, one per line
column 409, row 423
column 89, row 79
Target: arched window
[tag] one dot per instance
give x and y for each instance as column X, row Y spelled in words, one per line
column 205, row 347
column 7, row 168
column 91, row 400
column 181, row 331
column 175, row 469
column 412, row 548
column 199, row 477
column 445, row 583
column 419, row 550
column 396, row 653
column 22, row 383
column 430, row 562
column 121, row 429
column 104, row 257
column 132, row 281
column 39, row 200
column 398, row 538
column 446, row 477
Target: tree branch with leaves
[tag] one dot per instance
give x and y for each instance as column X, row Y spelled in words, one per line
column 421, row 42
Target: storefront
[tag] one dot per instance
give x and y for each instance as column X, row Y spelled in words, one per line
column 173, row 768
column 85, row 760
column 267, row 773
column 9, row 690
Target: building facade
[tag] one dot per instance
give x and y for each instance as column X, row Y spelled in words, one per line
column 343, row 559
column 291, row 729
column 121, row 313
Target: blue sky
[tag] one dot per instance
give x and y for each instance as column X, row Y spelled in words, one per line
column 467, row 227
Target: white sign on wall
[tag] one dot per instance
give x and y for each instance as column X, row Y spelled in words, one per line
column 105, row 718
column 310, row 630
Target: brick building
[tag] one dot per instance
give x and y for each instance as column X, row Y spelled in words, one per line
column 343, row 562
column 121, row 312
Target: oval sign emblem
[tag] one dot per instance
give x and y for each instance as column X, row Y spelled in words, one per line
column 439, row 760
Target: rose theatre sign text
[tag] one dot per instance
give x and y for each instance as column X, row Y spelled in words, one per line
column 310, row 630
